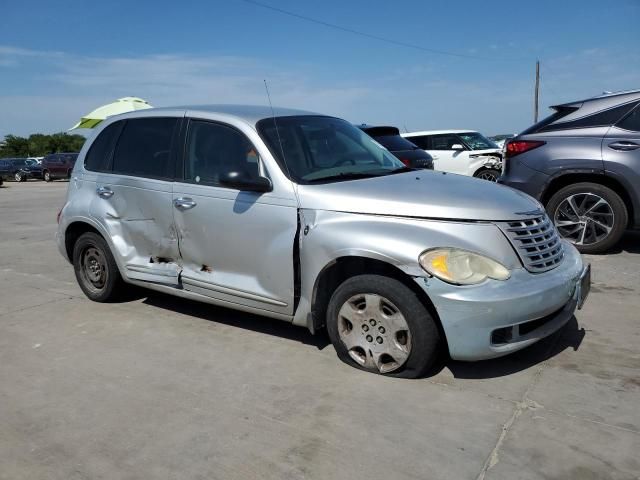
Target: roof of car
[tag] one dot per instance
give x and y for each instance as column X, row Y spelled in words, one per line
column 249, row 113
column 606, row 99
column 435, row 132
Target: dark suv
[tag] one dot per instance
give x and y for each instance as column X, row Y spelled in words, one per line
column 583, row 164
column 408, row 153
column 58, row 165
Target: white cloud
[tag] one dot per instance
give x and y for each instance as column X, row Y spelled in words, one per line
column 48, row 91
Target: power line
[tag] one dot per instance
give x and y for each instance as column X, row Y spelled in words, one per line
column 374, row 37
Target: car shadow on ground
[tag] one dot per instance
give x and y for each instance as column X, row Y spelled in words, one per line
column 629, row 243
column 570, row 336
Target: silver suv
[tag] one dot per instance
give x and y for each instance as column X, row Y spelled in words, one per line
column 304, row 218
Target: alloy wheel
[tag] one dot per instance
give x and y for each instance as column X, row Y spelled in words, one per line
column 375, row 332
column 17, row 176
column 584, row 218
column 488, row 175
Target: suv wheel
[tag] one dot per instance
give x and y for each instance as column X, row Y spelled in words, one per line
column 17, row 176
column 47, row 176
column 591, row 216
column 490, row 174
column 96, row 269
column 378, row 324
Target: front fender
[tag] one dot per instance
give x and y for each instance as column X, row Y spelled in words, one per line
column 398, row 241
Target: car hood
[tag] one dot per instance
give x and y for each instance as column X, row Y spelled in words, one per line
column 421, row 194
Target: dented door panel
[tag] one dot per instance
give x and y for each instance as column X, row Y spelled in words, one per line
column 237, row 246
column 138, row 217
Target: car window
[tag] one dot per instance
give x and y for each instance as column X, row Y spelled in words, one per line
column 604, row 118
column 214, row 149
column 313, row 149
column 395, row 143
column 477, row 141
column 631, row 121
column 422, row 141
column 443, row 142
column 143, row 148
column 99, row 156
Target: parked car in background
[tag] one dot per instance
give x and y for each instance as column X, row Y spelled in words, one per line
column 58, row 165
column 38, row 160
column 460, row 151
column 16, row 169
column 251, row 211
column 4, row 170
column 500, row 140
column 583, row 164
column 408, row 153
column 34, row 168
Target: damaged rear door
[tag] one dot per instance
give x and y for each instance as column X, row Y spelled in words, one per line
column 236, row 246
column 133, row 199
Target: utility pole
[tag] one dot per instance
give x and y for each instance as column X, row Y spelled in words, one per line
column 535, row 102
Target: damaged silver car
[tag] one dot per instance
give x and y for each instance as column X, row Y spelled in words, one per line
column 304, row 218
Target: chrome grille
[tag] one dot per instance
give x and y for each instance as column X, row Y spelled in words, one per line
column 537, row 242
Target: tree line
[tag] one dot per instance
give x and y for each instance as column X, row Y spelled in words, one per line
column 39, row 145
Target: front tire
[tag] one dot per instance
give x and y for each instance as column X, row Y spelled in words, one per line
column 379, row 325
column 591, row 216
column 95, row 268
column 490, row 174
column 17, row 177
column 47, row 176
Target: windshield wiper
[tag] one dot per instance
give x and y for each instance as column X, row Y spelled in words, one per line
column 345, row 176
column 402, row 170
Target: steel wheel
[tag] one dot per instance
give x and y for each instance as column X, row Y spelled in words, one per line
column 375, row 332
column 490, row 175
column 584, row 218
column 94, row 269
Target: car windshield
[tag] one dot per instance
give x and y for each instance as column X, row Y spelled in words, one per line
column 476, row 141
column 314, row 149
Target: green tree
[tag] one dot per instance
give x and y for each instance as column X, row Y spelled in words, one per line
column 38, row 144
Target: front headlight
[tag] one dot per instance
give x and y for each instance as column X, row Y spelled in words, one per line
column 461, row 267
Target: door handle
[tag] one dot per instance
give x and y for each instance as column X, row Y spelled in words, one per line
column 104, row 192
column 184, row 203
column 624, row 146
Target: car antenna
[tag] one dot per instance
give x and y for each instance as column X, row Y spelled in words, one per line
column 286, row 165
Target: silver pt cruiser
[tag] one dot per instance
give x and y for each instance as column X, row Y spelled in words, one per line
column 304, row 218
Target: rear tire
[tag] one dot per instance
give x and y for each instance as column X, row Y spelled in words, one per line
column 47, row 176
column 590, row 207
column 17, row 177
column 95, row 268
column 390, row 332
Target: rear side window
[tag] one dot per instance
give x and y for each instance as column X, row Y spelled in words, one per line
column 144, row 147
column 604, row 118
column 394, row 143
column 99, row 156
column 631, row 121
column 214, row 149
column 444, row 142
column 421, row 141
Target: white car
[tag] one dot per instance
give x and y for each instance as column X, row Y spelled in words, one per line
column 460, row 151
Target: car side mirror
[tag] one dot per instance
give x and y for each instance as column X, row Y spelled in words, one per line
column 457, row 146
column 243, row 181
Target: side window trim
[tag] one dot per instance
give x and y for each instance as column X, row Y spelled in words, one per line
column 634, row 111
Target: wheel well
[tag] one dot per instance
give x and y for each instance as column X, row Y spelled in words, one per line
column 73, row 232
column 346, row 267
column 571, row 178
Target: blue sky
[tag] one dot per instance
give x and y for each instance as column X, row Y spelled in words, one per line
column 59, row 60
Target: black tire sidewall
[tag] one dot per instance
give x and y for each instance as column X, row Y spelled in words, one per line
column 425, row 338
column 621, row 218
column 112, row 288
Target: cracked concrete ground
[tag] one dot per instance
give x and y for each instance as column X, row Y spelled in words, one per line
column 166, row 388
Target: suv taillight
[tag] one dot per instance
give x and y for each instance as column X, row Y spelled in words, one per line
column 516, row 147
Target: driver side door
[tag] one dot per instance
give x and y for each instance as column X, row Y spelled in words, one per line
column 236, row 246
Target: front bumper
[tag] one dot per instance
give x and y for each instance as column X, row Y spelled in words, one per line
column 496, row 318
